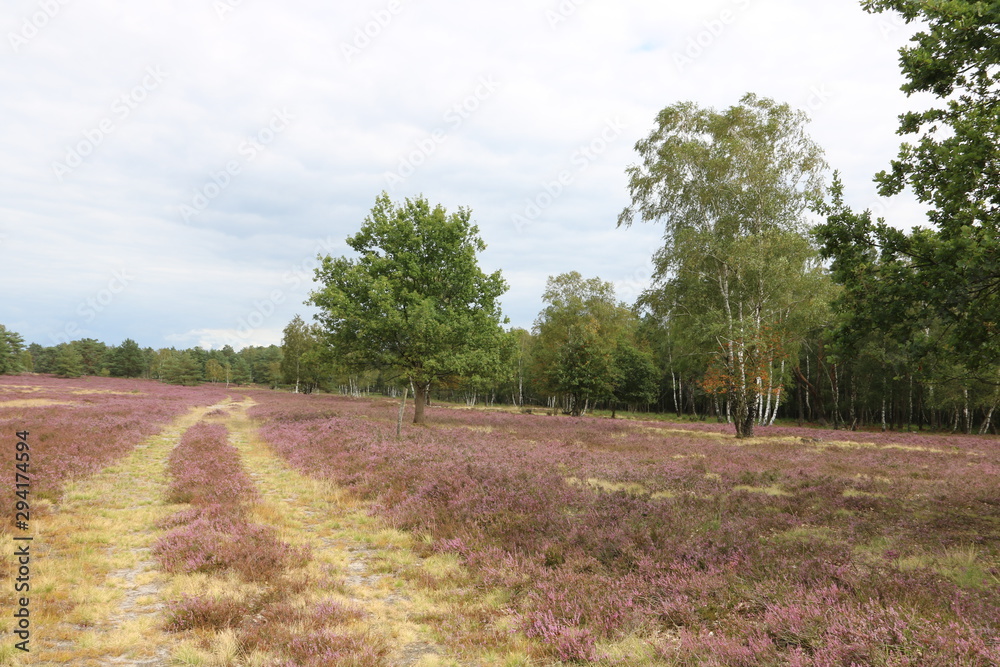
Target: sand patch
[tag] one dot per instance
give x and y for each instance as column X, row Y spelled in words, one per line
column 33, row 403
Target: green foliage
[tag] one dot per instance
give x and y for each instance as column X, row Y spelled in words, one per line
column 577, row 334
column 303, row 358
column 947, row 274
column 414, row 301
column 127, row 360
column 182, row 368
column 737, row 276
column 240, row 372
column 264, row 363
column 68, row 362
column 636, row 376
column 216, row 372
column 11, row 347
column 93, row 355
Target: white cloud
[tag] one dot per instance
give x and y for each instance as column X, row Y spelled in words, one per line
column 353, row 121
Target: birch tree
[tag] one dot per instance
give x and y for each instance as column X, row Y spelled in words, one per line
column 737, row 267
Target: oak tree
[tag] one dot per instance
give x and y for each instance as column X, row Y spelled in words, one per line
column 414, row 300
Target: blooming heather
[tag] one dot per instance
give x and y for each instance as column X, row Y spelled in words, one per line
column 797, row 547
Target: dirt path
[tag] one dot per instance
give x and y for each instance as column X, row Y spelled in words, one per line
column 352, row 552
column 96, row 587
column 100, row 595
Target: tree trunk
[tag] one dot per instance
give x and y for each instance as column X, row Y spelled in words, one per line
column 402, row 407
column 909, row 409
column 774, row 412
column 965, row 411
column 810, row 389
column 744, row 409
column 679, row 396
column 419, row 401
column 745, row 417
column 986, row 423
column 801, row 398
column 884, row 390
column 835, row 387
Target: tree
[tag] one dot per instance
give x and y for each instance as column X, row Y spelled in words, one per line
column 577, row 334
column 414, row 301
column 182, row 368
column 216, row 372
column 294, row 344
column 731, row 189
column 303, row 358
column 240, row 372
column 93, row 353
column 42, row 358
column 127, row 360
column 522, row 342
column 68, row 362
column 264, row 363
column 636, row 375
column 949, row 273
column 11, row 347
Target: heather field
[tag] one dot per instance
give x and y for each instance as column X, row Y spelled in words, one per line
column 644, row 542
column 195, row 526
column 79, row 427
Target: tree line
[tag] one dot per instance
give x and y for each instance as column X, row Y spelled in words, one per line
column 753, row 313
column 88, row 356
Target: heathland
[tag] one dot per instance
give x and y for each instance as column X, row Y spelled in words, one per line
column 200, row 526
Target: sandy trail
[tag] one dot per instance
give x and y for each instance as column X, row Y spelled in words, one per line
column 100, row 595
column 348, row 545
column 95, row 583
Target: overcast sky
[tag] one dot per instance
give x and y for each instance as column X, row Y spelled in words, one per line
column 171, row 169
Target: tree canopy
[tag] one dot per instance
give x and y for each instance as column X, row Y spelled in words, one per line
column 941, row 283
column 731, row 189
column 414, row 300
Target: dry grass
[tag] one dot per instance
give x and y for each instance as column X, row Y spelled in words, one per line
column 359, row 560
column 95, row 590
column 772, row 490
column 33, row 403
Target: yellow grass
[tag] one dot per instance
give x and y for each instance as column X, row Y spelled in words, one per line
column 358, row 559
column 95, row 588
column 773, row 490
column 33, row 403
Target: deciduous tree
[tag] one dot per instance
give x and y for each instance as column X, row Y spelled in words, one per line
column 948, row 273
column 578, row 332
column 731, row 189
column 414, row 300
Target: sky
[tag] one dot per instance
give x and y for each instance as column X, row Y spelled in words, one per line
column 172, row 169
